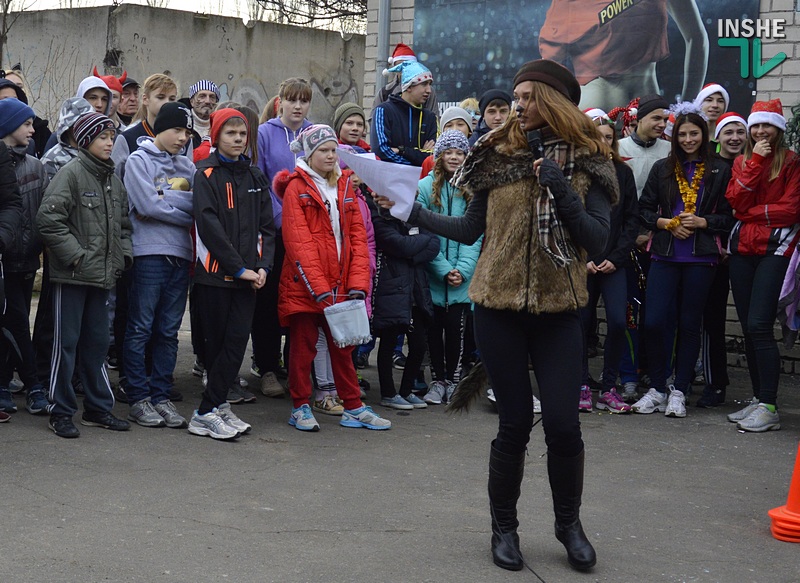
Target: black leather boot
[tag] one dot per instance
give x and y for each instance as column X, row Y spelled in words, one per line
column 566, row 482
column 505, row 477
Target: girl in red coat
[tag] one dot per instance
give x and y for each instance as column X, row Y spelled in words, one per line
column 327, row 261
column 764, row 192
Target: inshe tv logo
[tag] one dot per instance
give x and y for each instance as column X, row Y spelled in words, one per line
column 746, row 33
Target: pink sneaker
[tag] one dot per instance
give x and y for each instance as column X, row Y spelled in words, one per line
column 610, row 401
column 585, row 402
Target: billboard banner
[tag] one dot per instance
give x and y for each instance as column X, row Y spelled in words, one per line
column 618, row 49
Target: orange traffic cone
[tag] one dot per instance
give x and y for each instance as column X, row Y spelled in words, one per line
column 786, row 519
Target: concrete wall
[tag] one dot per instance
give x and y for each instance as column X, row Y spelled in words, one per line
column 57, row 48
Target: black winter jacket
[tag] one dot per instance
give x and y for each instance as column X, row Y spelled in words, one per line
column 661, row 189
column 401, row 279
column 398, row 124
column 10, row 200
column 624, row 221
column 233, row 216
column 23, row 254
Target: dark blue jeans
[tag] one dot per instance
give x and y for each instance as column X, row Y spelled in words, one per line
column 156, row 304
column 613, row 288
column 756, row 283
column 687, row 284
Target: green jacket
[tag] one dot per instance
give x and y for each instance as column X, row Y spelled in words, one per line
column 83, row 221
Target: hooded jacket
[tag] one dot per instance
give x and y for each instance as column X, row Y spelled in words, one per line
column 315, row 273
column 83, row 222
column 159, row 189
column 131, row 139
column 62, row 152
column 233, row 217
column 274, row 155
column 93, row 82
column 452, row 254
column 401, row 280
column 398, row 124
column 768, row 211
column 23, row 254
column 10, row 201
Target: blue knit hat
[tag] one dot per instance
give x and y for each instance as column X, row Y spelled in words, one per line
column 204, row 85
column 451, row 139
column 13, row 113
column 411, row 73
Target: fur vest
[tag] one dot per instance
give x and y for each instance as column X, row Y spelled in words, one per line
column 513, row 272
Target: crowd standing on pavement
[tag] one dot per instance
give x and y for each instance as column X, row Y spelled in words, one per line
column 528, row 211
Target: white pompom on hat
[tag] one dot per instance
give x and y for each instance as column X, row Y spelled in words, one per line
column 711, row 89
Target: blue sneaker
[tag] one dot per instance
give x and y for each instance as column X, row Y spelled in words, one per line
column 7, row 401
column 303, row 419
column 364, row 417
column 36, row 402
column 416, row 402
column 396, row 402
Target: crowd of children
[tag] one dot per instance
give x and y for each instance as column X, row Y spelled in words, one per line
column 139, row 202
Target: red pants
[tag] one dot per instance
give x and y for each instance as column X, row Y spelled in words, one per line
column 304, row 331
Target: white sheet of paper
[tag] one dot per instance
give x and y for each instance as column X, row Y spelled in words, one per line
column 396, row 182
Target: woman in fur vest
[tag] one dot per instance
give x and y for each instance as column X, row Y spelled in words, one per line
column 542, row 186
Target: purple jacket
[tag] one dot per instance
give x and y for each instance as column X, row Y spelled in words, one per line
column 274, row 155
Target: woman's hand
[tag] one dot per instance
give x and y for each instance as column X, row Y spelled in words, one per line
column 454, row 278
column 762, row 148
column 682, row 232
column 591, row 268
column 692, row 221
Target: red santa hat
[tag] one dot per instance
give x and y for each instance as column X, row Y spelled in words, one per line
column 711, row 89
column 725, row 119
column 595, row 113
column 770, row 112
column 402, row 53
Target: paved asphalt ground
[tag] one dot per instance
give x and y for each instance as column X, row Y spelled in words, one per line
column 665, row 500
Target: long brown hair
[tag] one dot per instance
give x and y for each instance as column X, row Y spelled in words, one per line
column 778, row 159
column 564, row 118
column 252, row 131
column 440, row 176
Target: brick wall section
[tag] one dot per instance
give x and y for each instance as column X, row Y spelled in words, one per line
column 783, row 83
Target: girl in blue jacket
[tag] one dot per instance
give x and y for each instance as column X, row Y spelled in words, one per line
column 450, row 272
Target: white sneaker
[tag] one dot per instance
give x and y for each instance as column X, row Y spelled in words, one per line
column 303, row 419
column 230, row 418
column 436, row 393
column 364, row 417
column 760, row 419
column 212, row 425
column 676, row 403
column 742, row 414
column 651, row 402
column 537, row 405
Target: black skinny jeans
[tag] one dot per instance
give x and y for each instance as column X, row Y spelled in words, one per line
column 756, row 282
column 446, row 341
column 506, row 339
column 417, row 336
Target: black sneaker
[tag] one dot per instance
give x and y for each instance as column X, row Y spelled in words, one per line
column 362, row 360
column 36, row 402
column 711, row 397
column 63, row 426
column 399, row 360
column 105, row 420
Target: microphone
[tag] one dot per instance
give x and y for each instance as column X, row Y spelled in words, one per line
column 535, row 143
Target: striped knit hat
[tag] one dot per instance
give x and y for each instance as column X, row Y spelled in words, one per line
column 204, row 85
column 89, row 126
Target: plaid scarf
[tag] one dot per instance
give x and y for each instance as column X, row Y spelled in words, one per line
column 552, row 238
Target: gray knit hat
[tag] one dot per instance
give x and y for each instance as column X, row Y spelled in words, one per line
column 451, row 139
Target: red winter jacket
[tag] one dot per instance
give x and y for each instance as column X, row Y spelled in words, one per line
column 313, row 277
column 768, row 213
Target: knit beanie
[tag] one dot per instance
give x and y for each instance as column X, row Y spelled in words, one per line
column 204, row 85
column 550, row 73
column 312, row 138
column 450, row 139
column 113, row 83
column 219, row 118
column 711, row 89
column 344, row 111
column 725, row 119
column 649, row 103
column 173, row 115
column 770, row 112
column 492, row 95
column 411, row 73
column 13, row 113
column 89, row 126
column 455, row 112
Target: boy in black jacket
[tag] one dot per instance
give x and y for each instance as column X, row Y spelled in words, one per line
column 235, row 248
